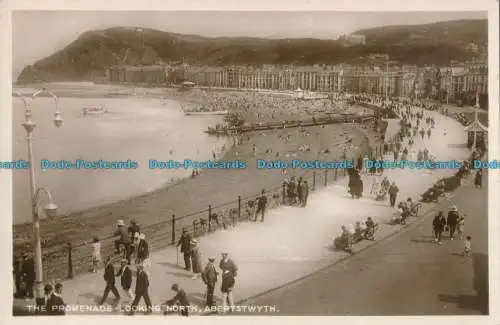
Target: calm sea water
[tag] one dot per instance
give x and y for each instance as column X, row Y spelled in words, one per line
column 136, row 129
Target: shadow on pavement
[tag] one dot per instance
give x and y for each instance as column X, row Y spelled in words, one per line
column 172, row 265
column 422, row 241
column 480, row 301
column 179, row 274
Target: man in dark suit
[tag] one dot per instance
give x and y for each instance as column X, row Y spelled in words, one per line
column 227, row 264
column 452, row 221
column 125, row 274
column 141, row 290
column 185, row 243
column 55, row 303
column 28, row 270
column 209, row 277
column 109, row 278
column 179, row 299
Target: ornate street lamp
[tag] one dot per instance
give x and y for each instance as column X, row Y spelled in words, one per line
column 50, row 209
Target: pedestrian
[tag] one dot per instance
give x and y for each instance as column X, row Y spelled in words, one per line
column 55, row 304
column 96, row 254
column 124, row 240
column 109, row 278
column 452, row 221
column 393, row 193
column 478, row 179
column 461, row 226
column 180, row 299
column 468, row 247
column 185, row 244
column 305, row 192
column 141, row 290
column 261, row 205
column 299, row 191
column 133, row 229
column 209, row 277
column 228, row 264
column 18, row 276
column 438, row 225
column 28, row 270
column 227, row 290
column 195, row 258
column 142, row 250
column 125, row 274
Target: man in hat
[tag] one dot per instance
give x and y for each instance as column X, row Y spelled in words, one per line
column 261, row 206
column 124, row 238
column 141, row 290
column 227, row 264
column 125, row 274
column 393, row 193
column 55, row 304
column 185, row 244
column 133, row 229
column 28, row 269
column 109, row 278
column 179, row 299
column 452, row 221
column 209, row 277
column 227, row 290
column 142, row 249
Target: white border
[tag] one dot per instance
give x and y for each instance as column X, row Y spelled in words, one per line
column 256, row 5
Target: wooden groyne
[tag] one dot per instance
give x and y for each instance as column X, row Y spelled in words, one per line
column 291, row 124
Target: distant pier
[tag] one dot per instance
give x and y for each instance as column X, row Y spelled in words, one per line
column 351, row 118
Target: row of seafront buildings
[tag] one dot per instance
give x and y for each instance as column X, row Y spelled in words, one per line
column 456, row 82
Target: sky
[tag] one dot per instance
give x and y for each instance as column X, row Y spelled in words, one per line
column 37, row 34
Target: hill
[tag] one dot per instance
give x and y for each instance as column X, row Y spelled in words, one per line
column 88, row 56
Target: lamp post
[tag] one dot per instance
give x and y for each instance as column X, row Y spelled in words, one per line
column 50, row 208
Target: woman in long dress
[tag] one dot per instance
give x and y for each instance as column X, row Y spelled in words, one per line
column 195, row 258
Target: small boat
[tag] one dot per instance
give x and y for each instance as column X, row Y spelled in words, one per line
column 94, row 110
column 202, row 111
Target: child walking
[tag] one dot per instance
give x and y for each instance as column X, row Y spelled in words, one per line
column 461, row 226
column 467, row 247
column 96, row 254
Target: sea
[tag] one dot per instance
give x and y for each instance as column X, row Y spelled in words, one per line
column 135, row 128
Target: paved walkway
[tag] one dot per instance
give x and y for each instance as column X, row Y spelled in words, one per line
column 407, row 274
column 292, row 242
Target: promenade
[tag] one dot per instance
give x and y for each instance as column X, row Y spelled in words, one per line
column 292, row 242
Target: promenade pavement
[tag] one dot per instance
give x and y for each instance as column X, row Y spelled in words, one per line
column 292, row 242
column 407, row 274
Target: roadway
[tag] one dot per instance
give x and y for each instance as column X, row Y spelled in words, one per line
column 404, row 275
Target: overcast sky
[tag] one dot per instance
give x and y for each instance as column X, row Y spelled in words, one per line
column 37, row 34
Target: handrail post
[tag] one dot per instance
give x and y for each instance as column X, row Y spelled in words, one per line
column 209, row 218
column 314, row 180
column 284, row 193
column 173, row 228
column 70, row 261
column 239, row 208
